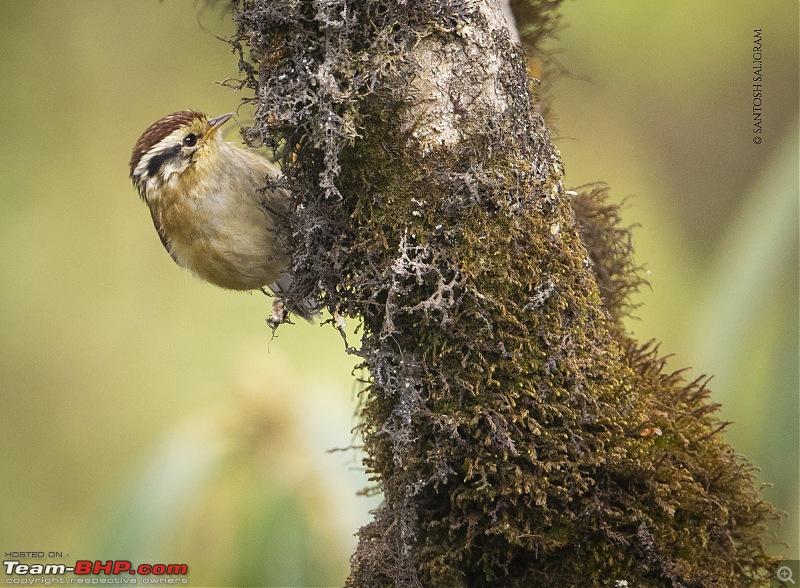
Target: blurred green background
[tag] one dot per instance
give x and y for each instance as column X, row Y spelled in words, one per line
column 148, row 416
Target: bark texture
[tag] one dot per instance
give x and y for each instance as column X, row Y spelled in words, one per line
column 519, row 436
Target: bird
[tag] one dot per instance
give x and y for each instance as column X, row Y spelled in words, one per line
column 211, row 202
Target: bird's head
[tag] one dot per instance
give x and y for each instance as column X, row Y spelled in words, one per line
column 172, row 145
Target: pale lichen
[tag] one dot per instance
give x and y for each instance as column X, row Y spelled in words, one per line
column 509, row 420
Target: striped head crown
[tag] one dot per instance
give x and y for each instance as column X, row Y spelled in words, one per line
column 168, row 146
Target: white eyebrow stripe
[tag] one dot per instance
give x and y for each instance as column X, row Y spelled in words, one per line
column 167, row 142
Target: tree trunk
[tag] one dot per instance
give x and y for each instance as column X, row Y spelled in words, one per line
column 519, row 436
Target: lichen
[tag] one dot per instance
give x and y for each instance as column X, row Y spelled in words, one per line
column 520, row 437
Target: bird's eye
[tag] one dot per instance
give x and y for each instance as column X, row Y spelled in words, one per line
column 190, row 140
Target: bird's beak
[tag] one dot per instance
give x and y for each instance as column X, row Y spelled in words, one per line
column 216, row 123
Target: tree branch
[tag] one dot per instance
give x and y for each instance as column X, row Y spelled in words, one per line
column 519, row 436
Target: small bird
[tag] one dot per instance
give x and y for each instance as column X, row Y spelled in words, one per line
column 209, row 203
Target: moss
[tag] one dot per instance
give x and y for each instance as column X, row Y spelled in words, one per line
column 519, row 436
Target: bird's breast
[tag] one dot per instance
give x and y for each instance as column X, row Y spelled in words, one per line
column 225, row 236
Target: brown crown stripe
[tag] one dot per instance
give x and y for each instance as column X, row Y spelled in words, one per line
column 160, row 129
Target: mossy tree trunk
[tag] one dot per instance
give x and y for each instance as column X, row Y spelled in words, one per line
column 519, row 437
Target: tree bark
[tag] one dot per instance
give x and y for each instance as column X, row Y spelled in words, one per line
column 519, row 436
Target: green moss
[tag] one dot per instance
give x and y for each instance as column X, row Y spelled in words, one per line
column 519, row 436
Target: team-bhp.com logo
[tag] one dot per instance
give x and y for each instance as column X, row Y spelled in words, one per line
column 85, row 567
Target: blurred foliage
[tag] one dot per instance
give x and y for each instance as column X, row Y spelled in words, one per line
column 241, row 490
column 121, row 377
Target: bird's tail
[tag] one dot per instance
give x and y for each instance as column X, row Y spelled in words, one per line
column 307, row 309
